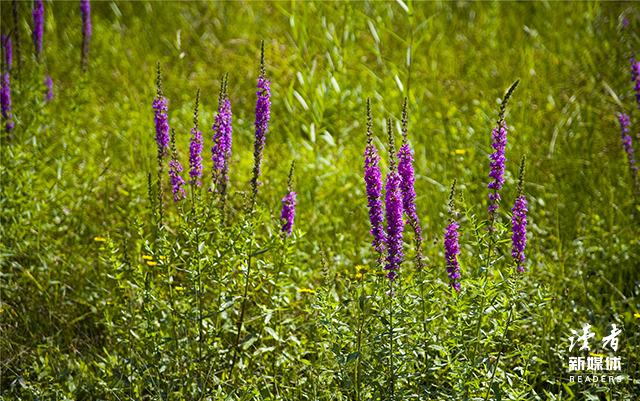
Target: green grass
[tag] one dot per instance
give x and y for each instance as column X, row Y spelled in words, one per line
column 78, row 321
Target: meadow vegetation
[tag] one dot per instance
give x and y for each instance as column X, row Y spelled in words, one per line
column 111, row 290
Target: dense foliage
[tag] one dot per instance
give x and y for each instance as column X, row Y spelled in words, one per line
column 186, row 214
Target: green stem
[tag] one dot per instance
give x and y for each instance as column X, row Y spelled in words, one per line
column 495, row 368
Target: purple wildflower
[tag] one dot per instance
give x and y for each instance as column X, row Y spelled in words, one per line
column 499, row 135
column 175, row 168
column 195, row 148
column 85, row 10
column 288, row 207
column 48, row 96
column 635, row 78
column 5, row 100
column 519, row 224
column 393, row 209
column 625, row 22
column 499, row 144
column 38, row 26
column 222, row 139
column 451, row 246
column 626, row 144
column 8, row 54
column 405, row 168
column 161, row 120
column 263, row 106
column 373, row 181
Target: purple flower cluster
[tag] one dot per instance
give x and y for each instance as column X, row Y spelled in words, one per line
column 626, row 143
column 519, row 231
column 175, row 168
column 195, row 147
column 452, row 249
column 451, row 246
column 222, row 139
column 635, row 78
column 161, row 120
column 288, row 206
column 288, row 213
column 499, row 137
column 48, row 96
column 393, row 211
column 5, row 101
column 263, row 110
column 373, row 181
column 407, row 173
column 85, row 11
column 38, row 26
column 8, row 53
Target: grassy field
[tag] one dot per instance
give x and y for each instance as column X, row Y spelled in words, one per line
column 104, row 297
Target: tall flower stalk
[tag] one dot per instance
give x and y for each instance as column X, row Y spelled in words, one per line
column 499, row 144
column 8, row 52
column 195, row 147
column 38, row 27
column 263, row 107
column 175, row 168
column 635, row 78
column 407, row 173
column 85, row 10
column 288, row 206
column 222, row 140
column 393, row 210
column 451, row 245
column 626, row 144
column 263, row 111
column 373, row 181
column 519, row 223
column 5, row 102
column 161, row 121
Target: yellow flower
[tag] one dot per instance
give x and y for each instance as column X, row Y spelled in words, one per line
column 179, row 289
column 636, row 315
column 99, row 239
column 147, row 257
column 362, row 269
column 162, row 257
column 306, row 291
column 151, row 263
column 359, row 276
column 460, row 151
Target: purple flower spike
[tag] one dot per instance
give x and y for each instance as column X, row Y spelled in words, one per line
column 626, row 144
column 48, row 96
column 263, row 111
column 405, row 168
column 635, row 78
column 222, row 139
column 393, row 209
column 85, row 11
column 5, row 101
column 161, row 120
column 195, row 148
column 499, row 136
column 451, row 246
column 373, row 181
column 38, row 26
column 175, row 168
column 8, row 53
column 499, row 144
column 288, row 207
column 519, row 224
